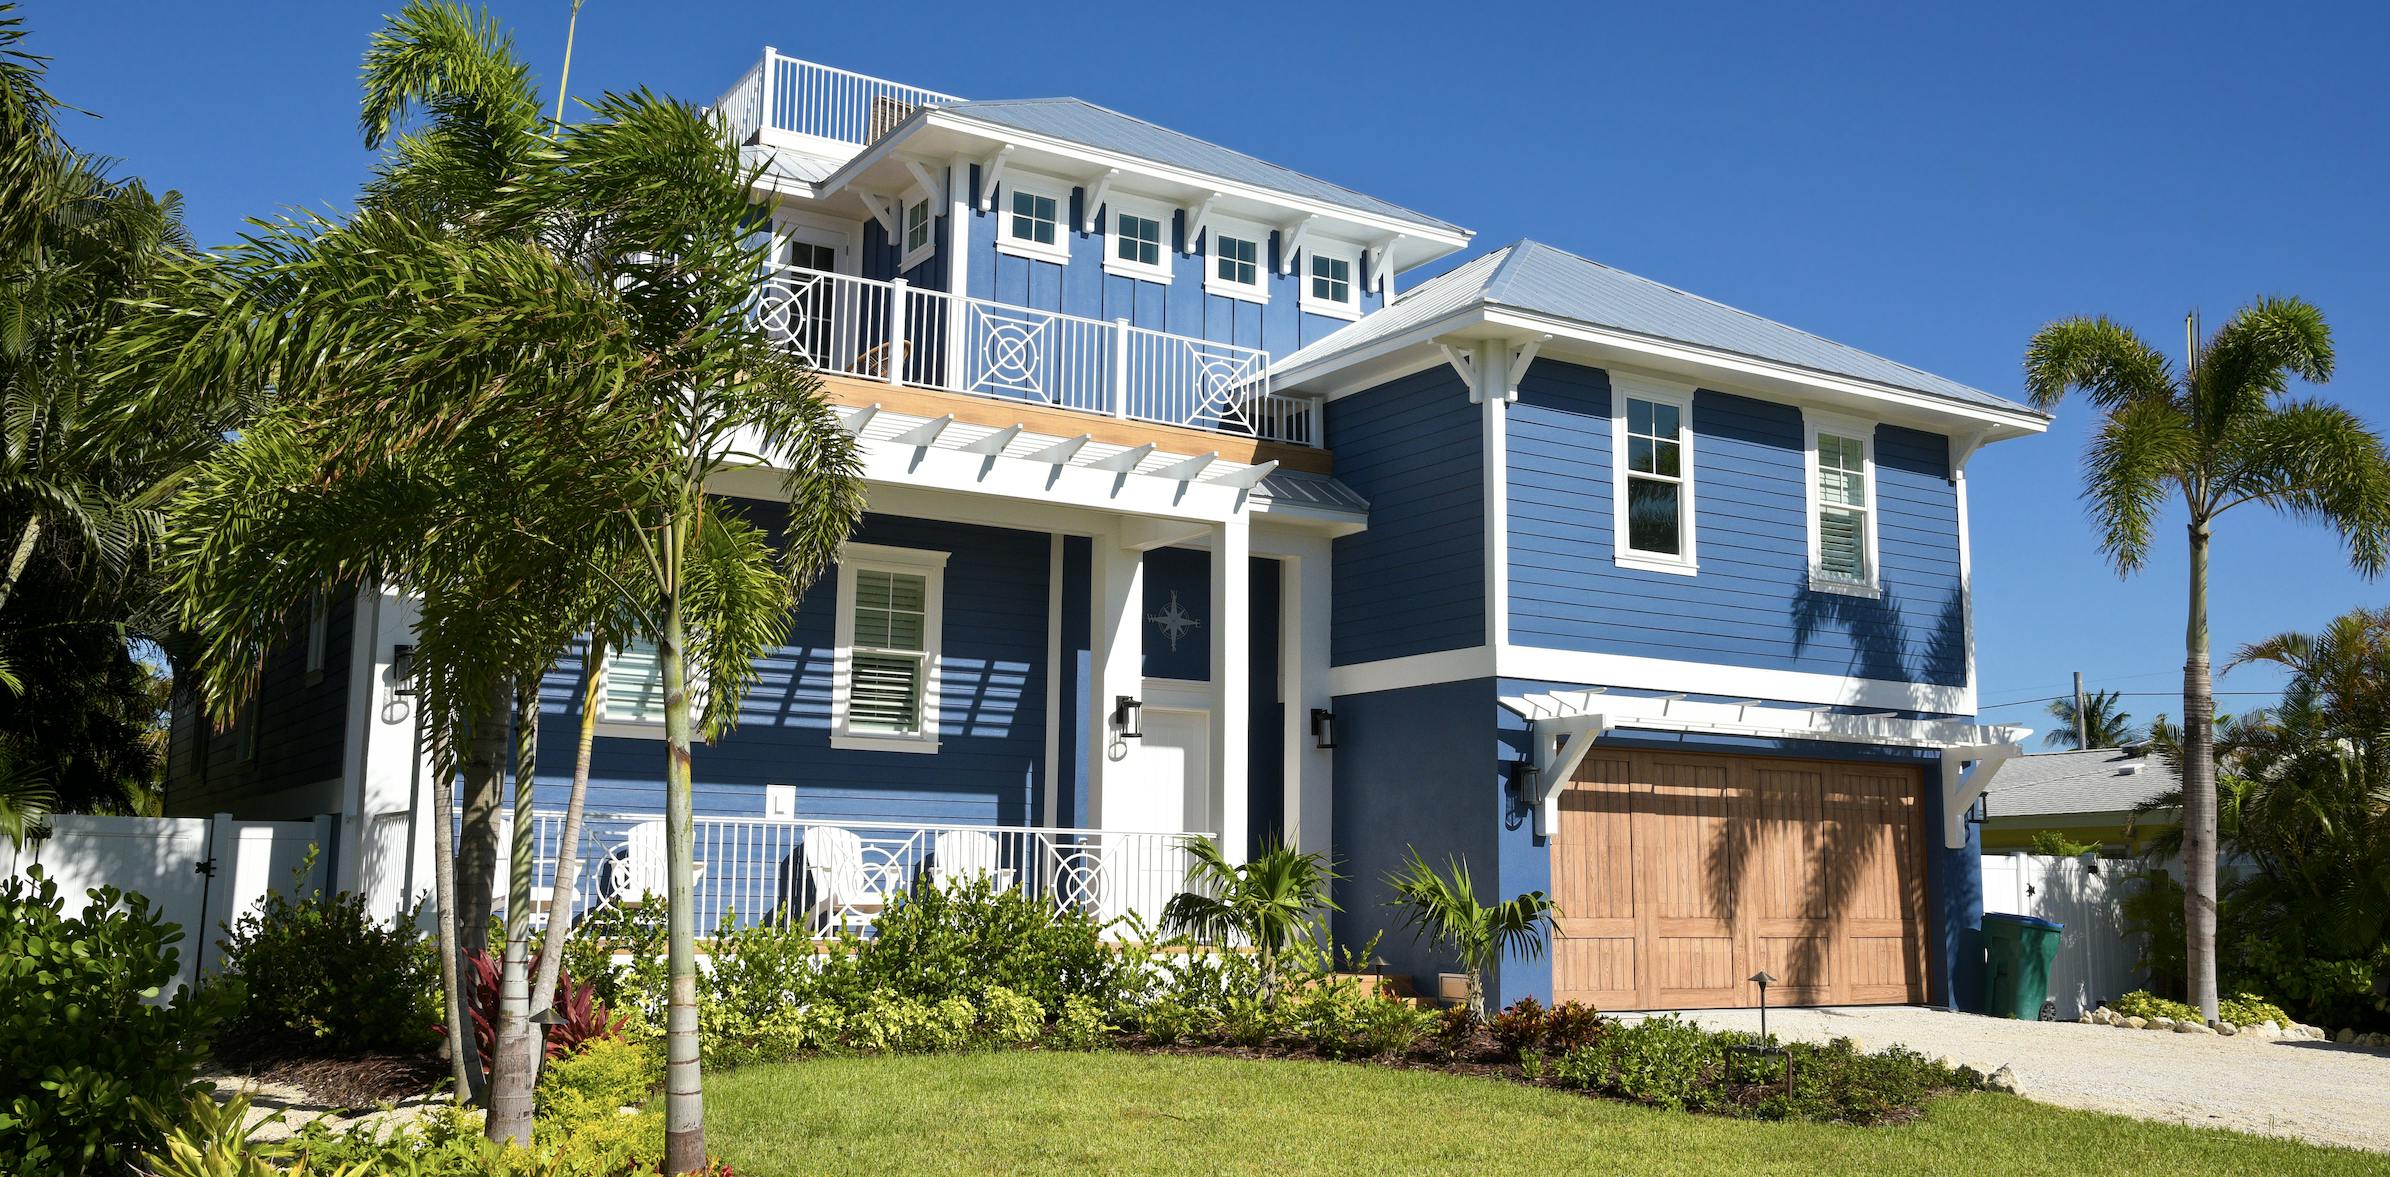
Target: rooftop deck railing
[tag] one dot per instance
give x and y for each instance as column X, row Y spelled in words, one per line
column 904, row 335
column 782, row 93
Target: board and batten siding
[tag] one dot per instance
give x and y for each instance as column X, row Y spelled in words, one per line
column 1751, row 604
column 1414, row 583
column 991, row 705
column 1180, row 307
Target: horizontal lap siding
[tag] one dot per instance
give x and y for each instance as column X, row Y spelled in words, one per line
column 991, row 706
column 1750, row 605
column 1414, row 582
column 302, row 727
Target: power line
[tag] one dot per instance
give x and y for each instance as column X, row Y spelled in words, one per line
column 2125, row 694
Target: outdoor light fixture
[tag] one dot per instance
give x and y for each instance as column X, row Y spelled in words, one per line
column 1323, row 728
column 1128, row 717
column 1765, row 1048
column 402, row 671
column 1763, row 980
column 1520, row 778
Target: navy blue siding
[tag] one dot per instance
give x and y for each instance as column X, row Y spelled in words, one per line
column 991, row 706
column 1751, row 604
column 1414, row 582
column 1265, row 761
column 300, row 739
column 1078, row 679
column 1183, row 575
column 1181, row 306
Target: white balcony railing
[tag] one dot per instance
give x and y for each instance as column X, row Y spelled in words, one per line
column 903, row 335
column 841, row 874
column 786, row 94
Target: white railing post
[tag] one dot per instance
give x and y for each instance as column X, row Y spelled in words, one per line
column 896, row 332
column 1120, row 368
column 771, row 88
column 1316, row 422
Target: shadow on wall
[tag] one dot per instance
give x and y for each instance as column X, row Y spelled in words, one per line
column 1879, row 647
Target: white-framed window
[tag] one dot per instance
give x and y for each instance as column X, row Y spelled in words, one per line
column 319, row 618
column 1137, row 239
column 918, row 232
column 884, row 689
column 1036, row 219
column 631, row 691
column 1332, row 280
column 1842, row 512
column 1236, row 260
column 1651, row 452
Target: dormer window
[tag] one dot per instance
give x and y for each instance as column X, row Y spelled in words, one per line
column 1331, row 281
column 1033, row 220
column 1236, row 262
column 917, row 238
column 1140, row 239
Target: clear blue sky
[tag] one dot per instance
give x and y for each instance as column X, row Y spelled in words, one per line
column 1925, row 181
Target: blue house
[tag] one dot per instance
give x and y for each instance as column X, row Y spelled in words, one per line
column 1191, row 516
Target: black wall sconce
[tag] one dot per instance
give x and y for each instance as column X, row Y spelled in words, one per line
column 1323, row 728
column 1128, row 717
column 402, row 671
column 1519, row 778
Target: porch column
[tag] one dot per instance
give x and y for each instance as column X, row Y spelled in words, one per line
column 1118, row 593
column 1303, row 660
column 1232, row 677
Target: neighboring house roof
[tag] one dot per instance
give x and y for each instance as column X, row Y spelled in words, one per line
column 1541, row 279
column 2103, row 780
column 1089, row 125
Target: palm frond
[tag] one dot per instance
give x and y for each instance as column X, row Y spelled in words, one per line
column 2099, row 357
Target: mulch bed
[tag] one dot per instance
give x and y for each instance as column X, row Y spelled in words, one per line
column 361, row 1082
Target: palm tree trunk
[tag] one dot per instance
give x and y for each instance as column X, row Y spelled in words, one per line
column 684, row 1101
column 485, row 786
column 464, row 1064
column 19, row 558
column 514, row 1063
column 2199, row 792
column 548, row 971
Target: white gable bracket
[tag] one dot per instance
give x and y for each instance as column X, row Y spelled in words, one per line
column 931, row 187
column 883, row 210
column 1961, row 790
column 1520, row 357
column 1291, row 237
column 1097, row 190
column 1198, row 216
column 1463, row 363
column 1560, row 746
column 1381, row 264
column 991, row 173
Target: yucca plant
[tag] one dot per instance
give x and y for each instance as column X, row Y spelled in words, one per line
column 1445, row 908
column 1270, row 903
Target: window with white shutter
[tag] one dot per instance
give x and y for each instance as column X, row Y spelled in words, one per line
column 631, row 692
column 889, row 605
column 1842, row 531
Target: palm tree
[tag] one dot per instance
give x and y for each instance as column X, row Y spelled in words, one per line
column 1271, row 903
column 2222, row 434
column 1445, row 908
column 2103, row 718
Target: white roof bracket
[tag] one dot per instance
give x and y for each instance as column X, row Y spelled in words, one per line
column 1960, row 790
column 931, row 186
column 1520, row 357
column 1381, row 262
column 1560, row 746
column 925, row 433
column 1291, row 238
column 882, row 210
column 991, row 173
column 1198, row 215
column 993, row 443
column 1061, row 452
column 1124, row 461
column 861, row 417
column 1097, row 189
column 1185, row 471
column 1247, row 478
column 1463, row 363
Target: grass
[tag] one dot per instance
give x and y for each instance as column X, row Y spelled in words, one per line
column 1040, row 1111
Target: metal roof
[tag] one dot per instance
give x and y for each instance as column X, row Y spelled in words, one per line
column 1540, row 279
column 2103, row 780
column 1076, row 121
column 1319, row 491
column 788, row 165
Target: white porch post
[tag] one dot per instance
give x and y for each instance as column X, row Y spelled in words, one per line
column 1303, row 668
column 1118, row 595
column 1232, row 677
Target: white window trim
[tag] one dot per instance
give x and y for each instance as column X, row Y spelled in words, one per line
column 1816, row 424
column 1055, row 190
column 319, row 617
column 646, row 729
column 1351, row 256
column 1161, row 214
column 1662, row 392
column 908, row 259
column 1213, row 283
column 931, row 567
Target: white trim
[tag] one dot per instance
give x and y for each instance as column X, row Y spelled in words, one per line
column 1220, row 226
column 1959, row 453
column 1960, row 790
column 909, row 258
column 1145, row 208
column 1053, row 750
column 1494, row 449
column 931, row 567
column 1816, row 423
column 1332, row 250
column 1021, row 183
column 1636, row 672
column 1623, row 386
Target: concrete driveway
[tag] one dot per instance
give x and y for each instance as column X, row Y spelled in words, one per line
column 2313, row 1091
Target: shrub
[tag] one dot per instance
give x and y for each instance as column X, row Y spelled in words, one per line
column 2141, row 1003
column 1081, row 1026
column 1249, row 1021
column 933, row 943
column 1519, row 1027
column 637, row 931
column 1171, row 1020
column 2248, row 1009
column 1571, row 1025
column 324, row 976
column 1675, row 1064
column 1010, row 1019
column 83, row 1047
column 1455, row 1028
column 597, row 1082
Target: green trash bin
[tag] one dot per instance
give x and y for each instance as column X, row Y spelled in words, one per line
column 2018, row 950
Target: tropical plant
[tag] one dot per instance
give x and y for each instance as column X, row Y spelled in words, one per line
column 1445, row 908
column 1271, row 902
column 2104, row 719
column 321, row 975
column 2054, row 844
column 2223, row 433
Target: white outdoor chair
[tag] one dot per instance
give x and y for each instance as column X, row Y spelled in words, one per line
column 637, row 870
column 843, row 890
column 958, row 856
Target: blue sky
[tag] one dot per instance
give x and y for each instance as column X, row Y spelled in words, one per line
column 1928, row 182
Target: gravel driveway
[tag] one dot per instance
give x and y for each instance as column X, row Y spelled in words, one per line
column 2313, row 1091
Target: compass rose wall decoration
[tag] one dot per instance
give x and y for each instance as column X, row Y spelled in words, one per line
column 1175, row 621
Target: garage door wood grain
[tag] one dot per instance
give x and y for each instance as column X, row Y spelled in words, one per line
column 1680, row 875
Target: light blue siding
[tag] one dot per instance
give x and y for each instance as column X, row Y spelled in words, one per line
column 1751, row 604
column 1414, row 582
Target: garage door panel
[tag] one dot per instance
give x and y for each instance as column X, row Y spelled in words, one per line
column 1693, row 969
column 1597, row 940
column 1601, row 969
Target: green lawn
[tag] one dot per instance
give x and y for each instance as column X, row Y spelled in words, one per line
column 1037, row 1111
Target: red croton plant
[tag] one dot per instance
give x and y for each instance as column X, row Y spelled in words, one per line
column 581, row 1018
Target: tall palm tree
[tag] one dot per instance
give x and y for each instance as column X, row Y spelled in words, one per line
column 2223, row 433
column 2104, row 719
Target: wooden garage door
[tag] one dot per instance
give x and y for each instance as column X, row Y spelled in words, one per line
column 1678, row 876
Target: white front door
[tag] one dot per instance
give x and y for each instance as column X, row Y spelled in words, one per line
column 1169, row 791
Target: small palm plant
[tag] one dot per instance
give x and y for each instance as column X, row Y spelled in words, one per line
column 1445, row 908
column 1271, row 903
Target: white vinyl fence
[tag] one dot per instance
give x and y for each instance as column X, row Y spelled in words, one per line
column 199, row 872
column 2097, row 959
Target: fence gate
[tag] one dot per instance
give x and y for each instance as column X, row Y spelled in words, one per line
column 2097, row 959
